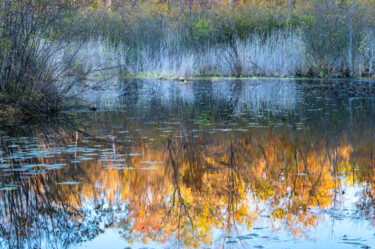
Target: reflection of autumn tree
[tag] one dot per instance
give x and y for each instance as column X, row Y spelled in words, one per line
column 223, row 179
column 366, row 204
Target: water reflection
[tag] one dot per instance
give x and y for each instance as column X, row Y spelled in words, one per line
column 232, row 164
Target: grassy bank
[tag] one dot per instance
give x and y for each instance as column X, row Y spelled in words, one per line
column 281, row 54
column 233, row 38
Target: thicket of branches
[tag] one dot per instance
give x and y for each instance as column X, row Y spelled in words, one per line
column 34, row 55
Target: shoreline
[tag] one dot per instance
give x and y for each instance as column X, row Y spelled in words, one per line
column 216, row 78
column 10, row 111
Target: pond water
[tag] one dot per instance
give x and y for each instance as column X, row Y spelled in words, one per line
column 202, row 164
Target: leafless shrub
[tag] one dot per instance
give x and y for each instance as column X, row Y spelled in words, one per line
column 31, row 52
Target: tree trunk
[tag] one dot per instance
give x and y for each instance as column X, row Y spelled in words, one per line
column 351, row 39
column 108, row 3
column 290, row 7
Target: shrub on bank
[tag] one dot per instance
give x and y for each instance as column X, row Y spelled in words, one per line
column 31, row 68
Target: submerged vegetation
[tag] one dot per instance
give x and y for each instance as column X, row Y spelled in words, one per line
column 46, row 47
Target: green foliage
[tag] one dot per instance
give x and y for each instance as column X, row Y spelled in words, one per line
column 202, row 30
column 94, row 5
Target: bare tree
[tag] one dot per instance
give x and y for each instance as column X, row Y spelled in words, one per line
column 351, row 39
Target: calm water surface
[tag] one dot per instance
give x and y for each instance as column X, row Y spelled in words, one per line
column 224, row 164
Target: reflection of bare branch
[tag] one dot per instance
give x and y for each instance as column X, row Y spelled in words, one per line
column 177, row 190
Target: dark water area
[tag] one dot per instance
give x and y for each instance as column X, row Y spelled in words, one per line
column 223, row 164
